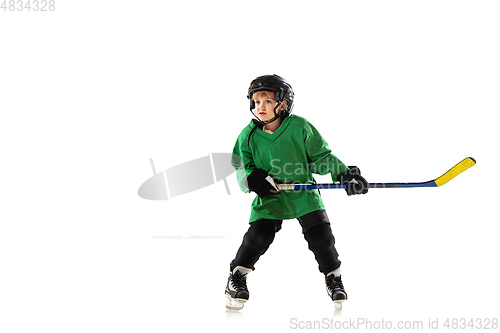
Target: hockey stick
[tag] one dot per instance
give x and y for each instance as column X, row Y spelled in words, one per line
column 449, row 175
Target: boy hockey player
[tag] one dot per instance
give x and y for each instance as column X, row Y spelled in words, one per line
column 284, row 148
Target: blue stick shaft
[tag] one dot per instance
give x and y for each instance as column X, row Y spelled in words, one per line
column 463, row 165
column 372, row 185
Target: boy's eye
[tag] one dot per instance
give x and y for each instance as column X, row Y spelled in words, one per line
column 267, row 102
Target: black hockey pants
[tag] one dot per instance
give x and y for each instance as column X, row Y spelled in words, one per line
column 315, row 228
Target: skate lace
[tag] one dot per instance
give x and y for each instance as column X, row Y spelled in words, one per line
column 334, row 283
column 239, row 281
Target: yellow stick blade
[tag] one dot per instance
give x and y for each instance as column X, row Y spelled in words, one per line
column 455, row 171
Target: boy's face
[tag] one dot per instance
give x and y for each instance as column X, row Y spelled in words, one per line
column 265, row 104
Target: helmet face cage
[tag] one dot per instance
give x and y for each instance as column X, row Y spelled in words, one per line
column 282, row 89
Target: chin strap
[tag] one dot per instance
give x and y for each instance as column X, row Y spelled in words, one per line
column 261, row 124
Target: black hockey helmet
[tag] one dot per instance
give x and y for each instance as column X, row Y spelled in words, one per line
column 282, row 89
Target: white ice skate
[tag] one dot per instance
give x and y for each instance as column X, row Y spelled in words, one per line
column 335, row 290
column 236, row 289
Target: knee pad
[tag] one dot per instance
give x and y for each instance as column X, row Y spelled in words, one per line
column 260, row 234
column 322, row 243
column 320, row 238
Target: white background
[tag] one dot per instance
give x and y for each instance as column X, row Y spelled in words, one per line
column 91, row 91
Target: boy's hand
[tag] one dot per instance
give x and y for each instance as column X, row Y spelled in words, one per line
column 261, row 183
column 357, row 184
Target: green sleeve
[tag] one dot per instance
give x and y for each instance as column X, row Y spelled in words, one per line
column 242, row 161
column 320, row 158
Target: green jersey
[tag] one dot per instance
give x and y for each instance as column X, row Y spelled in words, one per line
column 290, row 155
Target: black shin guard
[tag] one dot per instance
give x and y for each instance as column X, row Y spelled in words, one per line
column 322, row 243
column 255, row 243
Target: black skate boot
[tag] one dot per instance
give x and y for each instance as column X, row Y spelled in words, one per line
column 236, row 288
column 335, row 290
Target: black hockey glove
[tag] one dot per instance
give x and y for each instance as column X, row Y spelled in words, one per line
column 357, row 184
column 261, row 183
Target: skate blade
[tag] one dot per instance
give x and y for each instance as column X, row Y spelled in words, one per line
column 338, row 304
column 234, row 303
